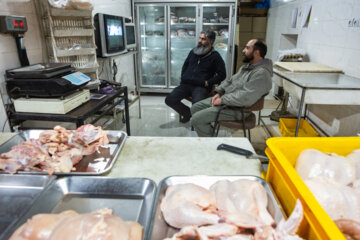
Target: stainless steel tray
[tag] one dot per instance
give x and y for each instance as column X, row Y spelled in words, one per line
column 130, row 198
column 17, row 193
column 95, row 164
column 161, row 230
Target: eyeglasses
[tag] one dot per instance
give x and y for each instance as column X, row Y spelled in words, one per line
column 202, row 39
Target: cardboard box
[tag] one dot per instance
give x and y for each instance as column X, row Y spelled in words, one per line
column 253, row 11
column 260, row 35
column 244, row 25
column 242, row 38
column 259, row 24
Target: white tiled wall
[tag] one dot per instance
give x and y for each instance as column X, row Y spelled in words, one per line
column 327, row 40
column 34, row 44
column 125, row 64
column 8, row 52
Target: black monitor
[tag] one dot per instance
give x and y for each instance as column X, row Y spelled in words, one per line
column 109, row 35
column 130, row 36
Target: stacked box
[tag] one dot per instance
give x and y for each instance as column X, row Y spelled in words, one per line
column 248, row 28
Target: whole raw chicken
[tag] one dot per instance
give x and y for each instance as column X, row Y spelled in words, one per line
column 229, row 211
column 313, row 163
column 339, row 201
column 187, row 204
column 335, row 182
column 242, row 202
column 70, row 225
column 284, row 231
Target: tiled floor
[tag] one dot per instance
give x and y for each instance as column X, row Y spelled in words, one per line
column 157, row 119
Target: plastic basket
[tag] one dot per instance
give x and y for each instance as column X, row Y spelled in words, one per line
column 287, row 127
column 288, row 186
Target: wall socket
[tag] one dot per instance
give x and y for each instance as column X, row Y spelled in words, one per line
column 354, row 22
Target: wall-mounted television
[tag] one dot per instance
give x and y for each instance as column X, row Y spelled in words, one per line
column 109, row 35
column 130, row 36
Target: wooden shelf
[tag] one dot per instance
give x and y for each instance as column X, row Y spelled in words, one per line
column 74, row 33
column 59, row 12
column 88, row 70
column 75, row 52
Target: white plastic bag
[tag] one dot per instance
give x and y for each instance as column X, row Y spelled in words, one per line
column 81, row 4
column 58, row 3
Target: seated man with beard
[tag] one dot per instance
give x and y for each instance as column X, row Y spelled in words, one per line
column 203, row 68
column 249, row 84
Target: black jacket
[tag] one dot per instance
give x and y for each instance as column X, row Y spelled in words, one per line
column 198, row 69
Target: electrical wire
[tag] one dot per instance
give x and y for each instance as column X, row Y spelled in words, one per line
column 115, row 69
column 8, row 110
column 3, row 128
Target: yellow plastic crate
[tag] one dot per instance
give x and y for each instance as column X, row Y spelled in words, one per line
column 287, row 127
column 288, row 186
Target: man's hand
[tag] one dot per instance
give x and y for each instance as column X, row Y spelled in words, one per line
column 216, row 100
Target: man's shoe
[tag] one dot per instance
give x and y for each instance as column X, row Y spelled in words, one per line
column 184, row 119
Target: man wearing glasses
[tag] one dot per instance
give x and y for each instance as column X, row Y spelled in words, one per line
column 202, row 69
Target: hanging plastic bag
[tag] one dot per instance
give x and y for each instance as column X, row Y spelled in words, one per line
column 58, row 3
column 81, row 4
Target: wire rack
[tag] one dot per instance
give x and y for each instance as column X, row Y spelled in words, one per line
column 69, row 37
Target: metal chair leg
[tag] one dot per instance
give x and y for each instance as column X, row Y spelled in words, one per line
column 243, row 121
column 217, row 130
column 249, row 135
column 259, row 117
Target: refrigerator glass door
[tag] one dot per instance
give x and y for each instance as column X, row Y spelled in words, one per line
column 182, row 39
column 217, row 19
column 152, row 29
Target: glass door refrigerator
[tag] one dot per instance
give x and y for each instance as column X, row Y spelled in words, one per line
column 168, row 31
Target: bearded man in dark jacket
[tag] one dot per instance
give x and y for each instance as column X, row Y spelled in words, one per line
column 202, row 69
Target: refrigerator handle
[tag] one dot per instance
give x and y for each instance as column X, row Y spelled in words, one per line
column 233, row 10
column 198, row 12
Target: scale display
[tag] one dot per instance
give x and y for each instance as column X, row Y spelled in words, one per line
column 13, row 24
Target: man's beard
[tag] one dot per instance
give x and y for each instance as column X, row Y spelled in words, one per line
column 201, row 49
column 247, row 59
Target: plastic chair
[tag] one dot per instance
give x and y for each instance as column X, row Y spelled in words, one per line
column 245, row 123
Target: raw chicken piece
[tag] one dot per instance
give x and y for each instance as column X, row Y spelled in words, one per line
column 339, row 201
column 88, row 134
column 241, row 237
column 221, row 230
column 349, row 228
column 41, row 226
column 56, row 150
column 313, row 163
column 286, row 229
column 188, row 204
column 58, row 135
column 354, row 157
column 100, row 224
column 25, row 155
column 242, row 202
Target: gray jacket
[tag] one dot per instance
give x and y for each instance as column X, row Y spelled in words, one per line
column 248, row 85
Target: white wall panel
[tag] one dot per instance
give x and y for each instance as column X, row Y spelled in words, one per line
column 328, row 40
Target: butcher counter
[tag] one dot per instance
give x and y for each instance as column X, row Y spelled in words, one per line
column 158, row 157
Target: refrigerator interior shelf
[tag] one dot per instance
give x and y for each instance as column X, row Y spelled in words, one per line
column 183, row 24
column 152, row 48
column 216, row 24
column 152, row 36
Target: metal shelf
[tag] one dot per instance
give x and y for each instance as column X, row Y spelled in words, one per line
column 183, row 23
column 216, row 24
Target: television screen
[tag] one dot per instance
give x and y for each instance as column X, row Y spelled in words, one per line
column 130, row 35
column 115, row 33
